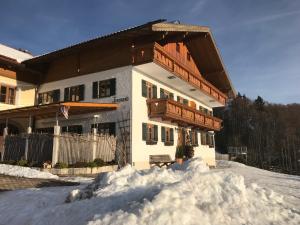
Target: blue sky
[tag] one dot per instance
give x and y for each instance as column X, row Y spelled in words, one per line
column 259, row 40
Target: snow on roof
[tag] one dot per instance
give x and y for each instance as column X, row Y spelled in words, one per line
column 14, row 53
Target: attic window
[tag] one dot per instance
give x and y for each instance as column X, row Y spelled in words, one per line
column 188, row 56
column 177, row 47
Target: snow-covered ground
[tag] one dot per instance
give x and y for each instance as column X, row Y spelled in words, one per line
column 20, row 171
column 188, row 194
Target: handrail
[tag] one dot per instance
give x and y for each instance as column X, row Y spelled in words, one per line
column 185, row 113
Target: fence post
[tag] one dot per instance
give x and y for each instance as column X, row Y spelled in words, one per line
column 55, row 145
column 5, row 133
column 94, row 138
column 29, row 131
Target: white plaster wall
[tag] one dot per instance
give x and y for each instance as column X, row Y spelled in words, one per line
column 141, row 151
column 25, row 93
column 123, row 89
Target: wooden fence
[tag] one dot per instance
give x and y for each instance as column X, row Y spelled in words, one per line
column 37, row 148
column 85, row 148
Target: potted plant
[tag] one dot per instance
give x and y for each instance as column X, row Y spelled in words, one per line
column 189, row 151
column 179, row 154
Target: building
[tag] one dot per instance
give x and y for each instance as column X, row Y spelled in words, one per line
column 163, row 77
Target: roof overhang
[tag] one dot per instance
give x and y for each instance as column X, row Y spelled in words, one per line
column 50, row 110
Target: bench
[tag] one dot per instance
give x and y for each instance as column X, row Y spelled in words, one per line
column 160, row 160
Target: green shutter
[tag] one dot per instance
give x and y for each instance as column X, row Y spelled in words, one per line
column 172, row 135
column 155, row 133
column 56, row 95
column 40, row 98
column 178, row 99
column 95, row 89
column 81, row 92
column 113, row 86
column 144, row 89
column 163, row 134
column 144, row 131
column 162, row 94
column 154, row 90
column 67, row 95
column 171, row 96
column 185, row 102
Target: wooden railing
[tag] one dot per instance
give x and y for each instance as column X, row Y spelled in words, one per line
column 175, row 111
column 174, row 65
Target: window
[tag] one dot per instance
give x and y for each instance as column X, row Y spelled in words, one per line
column 178, row 47
column 166, row 94
column 7, row 94
column 75, row 93
column 104, row 88
column 207, row 138
column 76, row 129
column 188, row 56
column 49, row 97
column 182, row 100
column 149, row 90
column 105, row 128
column 194, row 137
column 149, row 133
column 45, row 130
column 167, row 135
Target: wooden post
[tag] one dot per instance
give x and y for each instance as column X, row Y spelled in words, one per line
column 94, row 138
column 55, row 145
column 5, row 133
column 29, row 131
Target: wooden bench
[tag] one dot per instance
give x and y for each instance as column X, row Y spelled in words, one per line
column 160, row 160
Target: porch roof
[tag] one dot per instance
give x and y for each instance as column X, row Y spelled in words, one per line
column 50, row 110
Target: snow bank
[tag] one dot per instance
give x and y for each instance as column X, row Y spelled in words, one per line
column 187, row 194
column 20, row 171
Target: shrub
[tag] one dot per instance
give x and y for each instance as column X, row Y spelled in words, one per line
column 79, row 165
column 189, row 151
column 10, row 162
column 179, row 152
column 92, row 164
column 61, row 165
column 22, row 162
column 99, row 162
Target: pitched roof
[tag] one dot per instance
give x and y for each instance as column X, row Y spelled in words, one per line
column 201, row 44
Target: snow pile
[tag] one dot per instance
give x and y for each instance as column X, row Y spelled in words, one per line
column 187, row 194
column 20, row 171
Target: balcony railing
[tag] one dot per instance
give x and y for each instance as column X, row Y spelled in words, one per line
column 174, row 65
column 182, row 114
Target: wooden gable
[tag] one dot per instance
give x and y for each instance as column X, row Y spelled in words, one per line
column 181, row 52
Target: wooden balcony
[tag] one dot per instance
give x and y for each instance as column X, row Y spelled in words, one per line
column 182, row 114
column 174, row 65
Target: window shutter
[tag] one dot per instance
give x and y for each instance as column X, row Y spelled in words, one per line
column 191, row 137
column 95, row 90
column 178, row 99
column 112, row 129
column 144, row 131
column 185, row 102
column 40, row 99
column 144, row 89
column 163, row 134
column 67, row 94
column 81, row 92
column 113, row 86
column 155, row 133
column 56, row 95
column 196, row 138
column 162, row 94
column 172, row 135
column 171, row 96
column 154, row 90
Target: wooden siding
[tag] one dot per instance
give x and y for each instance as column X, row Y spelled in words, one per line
column 182, row 56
